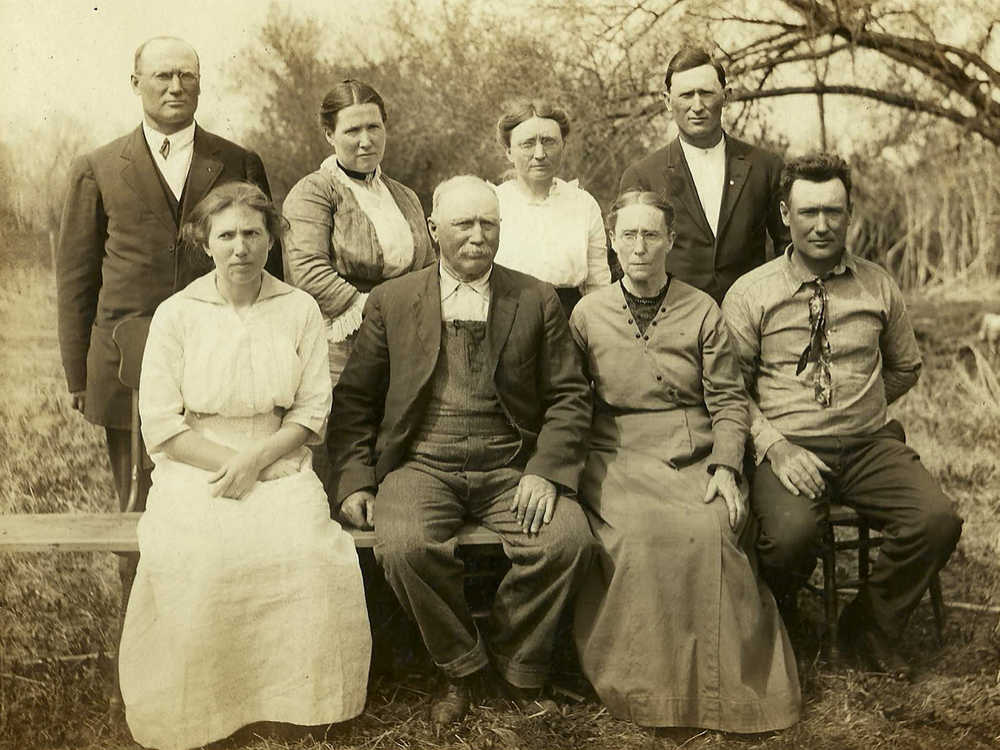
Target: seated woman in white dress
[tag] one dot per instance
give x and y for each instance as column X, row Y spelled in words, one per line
column 551, row 229
column 673, row 627
column 248, row 603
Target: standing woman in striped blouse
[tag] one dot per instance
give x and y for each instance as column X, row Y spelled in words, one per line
column 351, row 226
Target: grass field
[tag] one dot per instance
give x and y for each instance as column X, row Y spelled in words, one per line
column 54, row 606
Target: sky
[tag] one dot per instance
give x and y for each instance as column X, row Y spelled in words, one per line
column 73, row 56
column 70, row 56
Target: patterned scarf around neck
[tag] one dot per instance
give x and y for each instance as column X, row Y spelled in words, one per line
column 818, row 348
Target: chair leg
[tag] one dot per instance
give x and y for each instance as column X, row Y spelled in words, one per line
column 830, row 645
column 864, row 545
column 135, row 454
column 937, row 604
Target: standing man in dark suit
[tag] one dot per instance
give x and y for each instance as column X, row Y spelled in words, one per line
column 464, row 398
column 724, row 191
column 119, row 254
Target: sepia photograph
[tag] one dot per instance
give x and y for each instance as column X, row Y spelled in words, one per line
column 536, row 375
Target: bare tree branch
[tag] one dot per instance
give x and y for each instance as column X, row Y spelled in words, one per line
column 977, row 124
column 924, row 55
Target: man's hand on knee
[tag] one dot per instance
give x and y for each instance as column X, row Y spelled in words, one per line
column 799, row 470
column 358, row 509
column 534, row 502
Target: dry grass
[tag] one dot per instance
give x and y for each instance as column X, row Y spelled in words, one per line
column 65, row 604
column 935, row 221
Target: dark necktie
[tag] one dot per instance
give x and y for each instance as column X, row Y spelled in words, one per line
column 165, row 148
column 818, row 348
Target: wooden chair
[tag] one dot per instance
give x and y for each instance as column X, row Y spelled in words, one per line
column 130, row 337
column 842, row 516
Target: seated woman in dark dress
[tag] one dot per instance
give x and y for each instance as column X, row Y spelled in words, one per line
column 673, row 626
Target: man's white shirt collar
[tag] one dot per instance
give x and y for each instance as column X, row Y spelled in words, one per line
column 464, row 300
column 708, row 169
column 175, row 167
column 178, row 141
column 449, row 283
column 690, row 150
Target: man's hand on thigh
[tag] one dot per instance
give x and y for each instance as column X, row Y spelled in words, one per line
column 799, row 470
column 534, row 502
column 358, row 509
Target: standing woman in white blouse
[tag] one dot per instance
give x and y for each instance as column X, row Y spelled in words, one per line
column 550, row 228
column 351, row 226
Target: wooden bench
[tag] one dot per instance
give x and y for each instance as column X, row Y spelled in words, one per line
column 116, row 532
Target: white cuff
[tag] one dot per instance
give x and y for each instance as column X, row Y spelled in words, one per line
column 349, row 321
column 764, row 436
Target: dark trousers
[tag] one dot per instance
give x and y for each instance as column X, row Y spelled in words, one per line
column 417, row 513
column 884, row 481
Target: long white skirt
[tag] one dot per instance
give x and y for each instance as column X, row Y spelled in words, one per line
column 242, row 611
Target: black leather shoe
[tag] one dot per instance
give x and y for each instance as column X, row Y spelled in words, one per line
column 529, row 701
column 881, row 656
column 454, row 703
column 870, row 646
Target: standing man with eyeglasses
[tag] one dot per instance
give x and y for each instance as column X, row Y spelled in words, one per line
column 825, row 345
column 724, row 191
column 119, row 253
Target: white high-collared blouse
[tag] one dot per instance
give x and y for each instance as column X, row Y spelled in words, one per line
column 560, row 239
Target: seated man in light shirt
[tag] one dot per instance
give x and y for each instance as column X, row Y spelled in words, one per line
column 825, row 346
column 464, row 399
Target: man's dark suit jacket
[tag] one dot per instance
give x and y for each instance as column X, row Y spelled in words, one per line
column 380, row 399
column 750, row 201
column 119, row 253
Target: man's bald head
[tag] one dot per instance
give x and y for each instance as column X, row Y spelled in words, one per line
column 169, row 41
column 166, row 76
column 465, row 222
column 462, row 181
